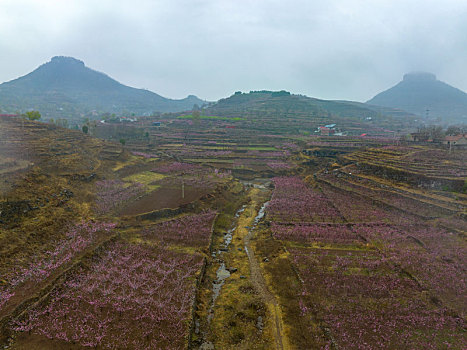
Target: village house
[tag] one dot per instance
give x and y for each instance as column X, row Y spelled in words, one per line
column 327, row 130
column 324, row 131
column 456, row 140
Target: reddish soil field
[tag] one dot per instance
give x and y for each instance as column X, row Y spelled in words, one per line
column 164, row 197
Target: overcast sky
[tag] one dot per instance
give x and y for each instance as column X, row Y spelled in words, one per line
column 332, row 49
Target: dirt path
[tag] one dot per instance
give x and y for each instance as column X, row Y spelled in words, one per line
column 257, row 278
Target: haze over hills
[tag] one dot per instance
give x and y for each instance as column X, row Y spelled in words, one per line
column 422, row 94
column 65, row 87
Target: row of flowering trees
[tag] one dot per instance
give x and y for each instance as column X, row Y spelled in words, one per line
column 76, row 239
column 132, row 297
column 368, row 305
column 378, row 279
column 310, row 233
column 364, row 187
column 278, row 165
column 434, row 256
column 191, row 230
column 361, row 209
column 144, row 155
column 293, row 201
column 178, row 167
column 192, row 175
column 111, row 194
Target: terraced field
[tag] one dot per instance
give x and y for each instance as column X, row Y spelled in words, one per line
column 435, row 168
column 207, row 237
column 365, row 277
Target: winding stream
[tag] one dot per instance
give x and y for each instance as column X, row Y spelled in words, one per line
column 222, row 274
column 258, row 217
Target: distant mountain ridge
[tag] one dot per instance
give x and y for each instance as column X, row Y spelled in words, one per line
column 422, row 94
column 66, row 87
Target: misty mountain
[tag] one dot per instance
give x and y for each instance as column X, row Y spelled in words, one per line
column 65, row 87
column 422, row 94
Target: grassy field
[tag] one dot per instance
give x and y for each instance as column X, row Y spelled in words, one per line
column 148, row 178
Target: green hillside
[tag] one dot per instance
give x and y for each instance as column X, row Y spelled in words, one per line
column 274, row 111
